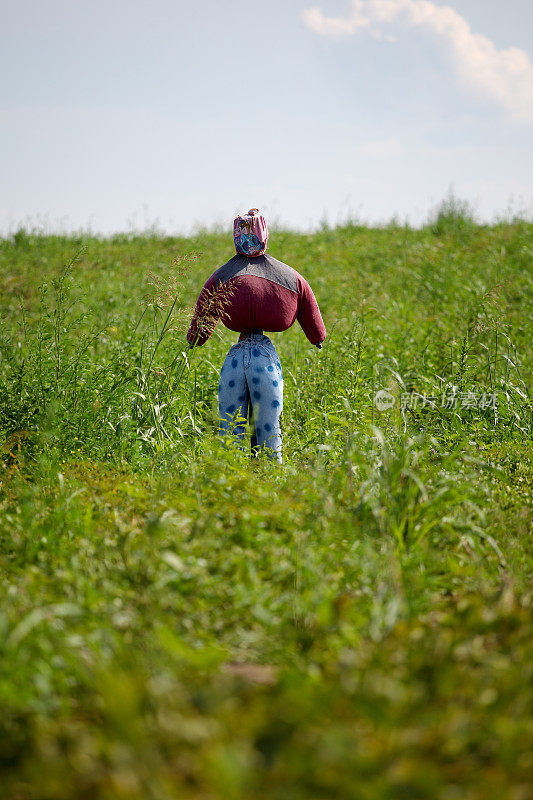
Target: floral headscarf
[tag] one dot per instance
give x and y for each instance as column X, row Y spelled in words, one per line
column 250, row 233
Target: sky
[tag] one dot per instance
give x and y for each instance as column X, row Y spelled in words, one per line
column 123, row 115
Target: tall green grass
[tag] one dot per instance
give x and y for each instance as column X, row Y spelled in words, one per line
column 178, row 620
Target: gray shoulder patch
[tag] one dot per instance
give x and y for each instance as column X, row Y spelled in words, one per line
column 265, row 266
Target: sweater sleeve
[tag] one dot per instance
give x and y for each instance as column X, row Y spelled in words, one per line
column 309, row 315
column 204, row 319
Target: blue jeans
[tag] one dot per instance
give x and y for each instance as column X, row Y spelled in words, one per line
column 251, row 378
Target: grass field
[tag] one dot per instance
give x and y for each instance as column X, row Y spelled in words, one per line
column 178, row 621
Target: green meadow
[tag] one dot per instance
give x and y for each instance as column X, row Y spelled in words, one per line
column 180, row 620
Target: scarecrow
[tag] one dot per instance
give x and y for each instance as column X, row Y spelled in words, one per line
column 251, row 293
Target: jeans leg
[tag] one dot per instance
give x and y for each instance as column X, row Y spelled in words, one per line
column 265, row 381
column 233, row 394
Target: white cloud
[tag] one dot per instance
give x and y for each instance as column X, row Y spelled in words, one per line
column 504, row 75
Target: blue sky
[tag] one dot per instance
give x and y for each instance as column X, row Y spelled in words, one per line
column 118, row 115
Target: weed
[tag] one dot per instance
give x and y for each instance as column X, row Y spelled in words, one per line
column 179, row 620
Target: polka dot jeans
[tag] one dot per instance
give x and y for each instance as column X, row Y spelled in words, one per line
column 252, row 375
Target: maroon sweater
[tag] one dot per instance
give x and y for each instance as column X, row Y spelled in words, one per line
column 263, row 294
